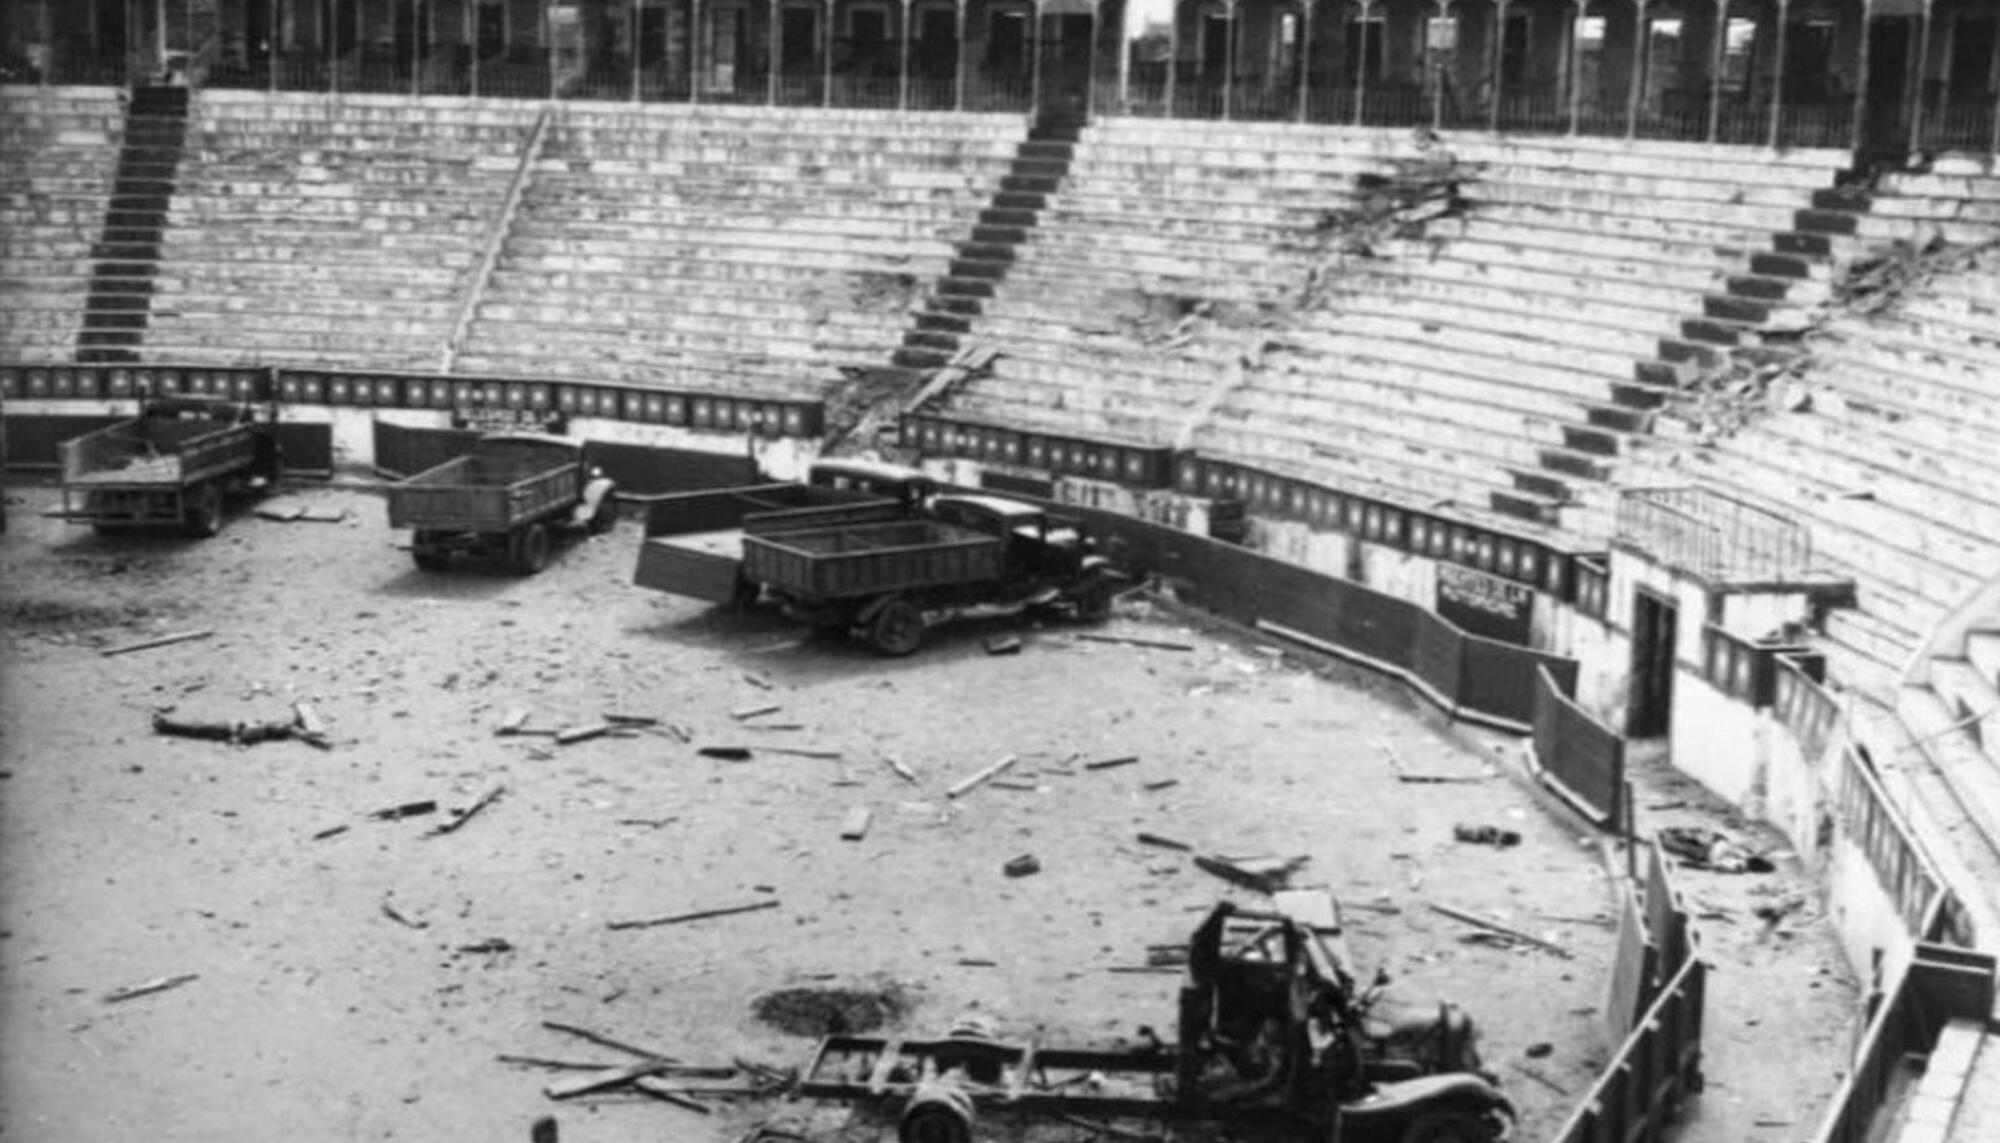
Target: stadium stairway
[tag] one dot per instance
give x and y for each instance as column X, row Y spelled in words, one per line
column 120, row 297
column 1040, row 164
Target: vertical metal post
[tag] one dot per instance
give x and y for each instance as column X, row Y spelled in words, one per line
column 1305, row 56
column 1361, row 54
column 826, row 60
column 632, row 46
column 1778, row 78
column 1436, row 56
column 1716, row 63
column 1635, row 88
column 1917, row 80
column 958, row 62
column 1173, row 53
column 1857, row 134
column 416, row 56
column 903, row 68
column 472, row 42
column 773, row 49
column 1496, row 89
column 1090, row 72
column 271, row 41
column 549, row 46
column 333, row 46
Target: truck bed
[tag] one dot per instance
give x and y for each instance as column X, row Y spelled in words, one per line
column 869, row 559
column 694, row 540
column 487, row 491
column 156, row 451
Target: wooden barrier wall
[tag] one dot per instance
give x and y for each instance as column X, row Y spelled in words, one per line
column 1583, row 758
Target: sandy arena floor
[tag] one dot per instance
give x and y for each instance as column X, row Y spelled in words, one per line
column 316, row 1015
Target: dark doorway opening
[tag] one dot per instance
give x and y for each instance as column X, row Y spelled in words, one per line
column 1066, row 64
column 1655, row 631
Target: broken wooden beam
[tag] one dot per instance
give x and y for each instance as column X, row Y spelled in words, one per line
column 799, row 753
column 902, row 771
column 468, row 813
column 1163, row 842
column 1132, row 641
column 967, row 785
column 682, row 918
column 584, row 733
column 1111, row 763
column 159, row 984
column 512, row 721
column 606, row 1041
column 406, row 810
column 160, row 641
column 727, row 753
column 390, row 911
column 1493, row 926
column 747, row 712
column 856, row 826
column 609, row 1077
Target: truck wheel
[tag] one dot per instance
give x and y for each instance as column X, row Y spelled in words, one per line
column 1449, row 1125
column 937, row 1113
column 1093, row 603
column 531, row 549
column 897, row 629
column 424, row 550
column 203, row 516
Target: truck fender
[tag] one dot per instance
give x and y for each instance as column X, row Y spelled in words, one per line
column 873, row 608
column 1456, row 1090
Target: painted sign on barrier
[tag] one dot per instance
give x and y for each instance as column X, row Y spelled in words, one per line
column 1485, row 604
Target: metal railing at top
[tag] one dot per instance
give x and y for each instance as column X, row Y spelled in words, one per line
column 1717, row 537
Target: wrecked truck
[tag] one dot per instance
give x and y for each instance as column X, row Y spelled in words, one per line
column 1269, row 1032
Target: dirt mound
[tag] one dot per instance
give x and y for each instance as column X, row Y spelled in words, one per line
column 829, row 1011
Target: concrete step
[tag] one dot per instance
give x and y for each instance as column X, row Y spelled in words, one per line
column 913, row 358
column 977, row 269
column 1619, row 418
column 1001, row 235
column 1783, row 264
column 105, row 354
column 957, row 304
column 951, row 323
column 1570, row 462
column 1596, row 440
column 1759, row 287
column 1542, row 485
column 931, row 339
column 1735, row 308
column 987, row 251
column 1014, row 216
column 1855, row 200
column 1802, row 243
column 1714, row 331
column 1674, row 350
column 965, row 287
column 1521, row 505
column 1033, row 202
column 1052, row 169
column 1657, row 378
column 1815, row 221
column 1049, row 150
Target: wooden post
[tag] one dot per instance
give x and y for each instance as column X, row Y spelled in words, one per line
column 1635, row 88
column 1778, row 78
column 958, row 61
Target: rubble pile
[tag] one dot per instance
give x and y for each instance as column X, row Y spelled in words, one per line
column 1396, row 207
column 1718, row 401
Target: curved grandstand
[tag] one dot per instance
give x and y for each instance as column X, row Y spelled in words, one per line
column 1658, row 343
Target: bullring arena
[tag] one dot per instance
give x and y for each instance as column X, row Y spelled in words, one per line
column 1546, row 446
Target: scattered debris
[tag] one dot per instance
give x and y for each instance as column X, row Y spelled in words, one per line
column 330, row 831
column 1495, row 927
column 1111, row 763
column 468, row 813
column 1486, row 835
column 830, row 1011
column 652, row 823
column 682, row 918
column 967, row 785
column 1155, row 644
column 240, row 733
column 491, row 945
column 1163, row 842
column 282, row 513
column 390, row 911
column 1022, row 866
column 1004, row 645
column 1006, row 784
column 727, row 753
column 747, row 712
column 800, row 753
column 161, row 641
column 1163, row 783
column 1535, row 1073
column 406, row 810
column 1703, row 848
column 159, row 984
column 631, row 719
column 608, row 1077
column 758, row 681
column 1403, row 775
column 577, row 734
column 309, row 727
column 856, row 826
column 1264, row 874
column 902, row 771
column 606, row 1041
column 1539, row 1049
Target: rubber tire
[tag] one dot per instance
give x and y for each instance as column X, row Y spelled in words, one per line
column 897, row 629
column 531, row 549
column 1093, row 603
column 202, row 516
column 1448, row 1125
column 937, row 1113
column 429, row 561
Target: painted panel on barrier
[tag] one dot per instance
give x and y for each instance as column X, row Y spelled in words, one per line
column 1485, row 604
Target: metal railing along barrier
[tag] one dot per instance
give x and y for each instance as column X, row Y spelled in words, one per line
column 1707, row 534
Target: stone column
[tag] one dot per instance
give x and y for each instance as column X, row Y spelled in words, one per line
column 826, row 59
column 1858, row 134
column 1917, row 87
column 903, row 68
column 1635, row 88
column 1361, row 54
column 1778, row 77
column 958, row 68
column 1305, row 56
column 1717, row 55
